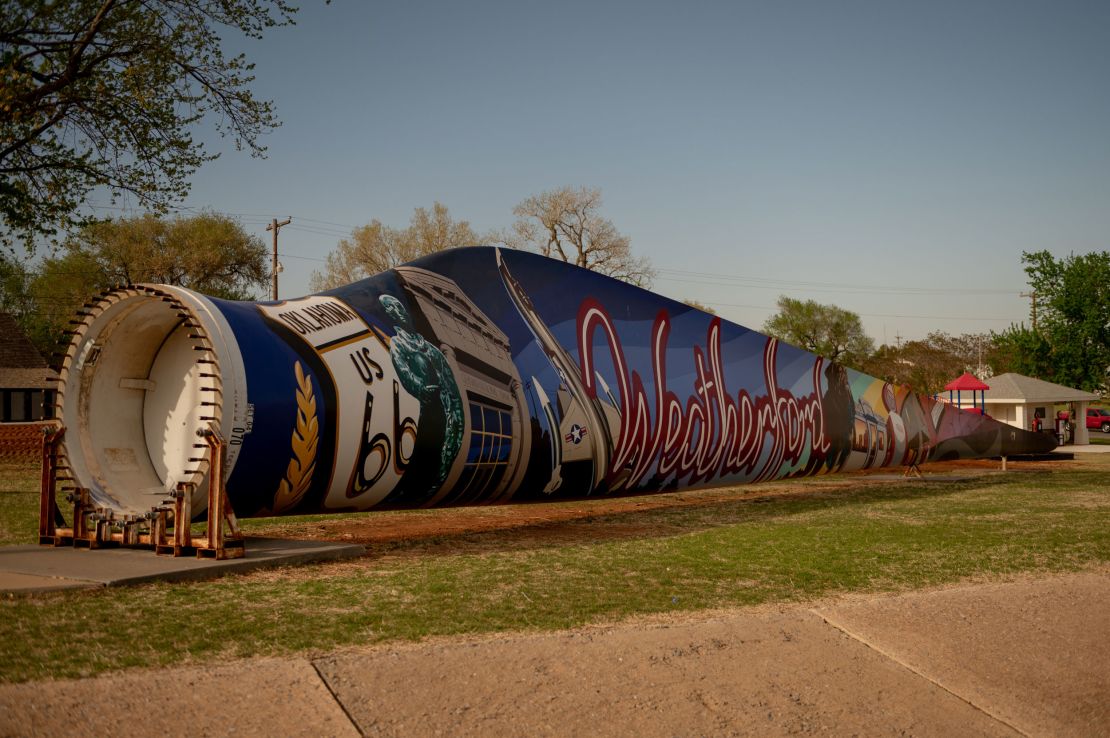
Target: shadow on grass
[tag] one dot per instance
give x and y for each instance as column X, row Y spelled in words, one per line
column 651, row 518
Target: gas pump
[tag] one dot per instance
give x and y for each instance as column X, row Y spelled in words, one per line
column 1063, row 427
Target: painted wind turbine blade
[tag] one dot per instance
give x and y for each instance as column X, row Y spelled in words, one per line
column 405, row 390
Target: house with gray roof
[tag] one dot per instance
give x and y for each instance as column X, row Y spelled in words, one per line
column 1017, row 399
column 27, row 383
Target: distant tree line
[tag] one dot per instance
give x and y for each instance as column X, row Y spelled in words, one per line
column 1066, row 342
column 213, row 254
column 209, row 252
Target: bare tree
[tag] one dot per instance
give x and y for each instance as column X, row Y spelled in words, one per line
column 375, row 248
column 698, row 306
column 566, row 224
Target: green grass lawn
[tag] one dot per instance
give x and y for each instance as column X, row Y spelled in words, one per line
column 799, row 541
column 19, row 503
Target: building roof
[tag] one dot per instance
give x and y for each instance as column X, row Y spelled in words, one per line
column 21, row 365
column 966, row 381
column 1020, row 388
column 43, row 378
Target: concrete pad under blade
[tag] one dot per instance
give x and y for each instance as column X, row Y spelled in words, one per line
column 761, row 674
column 113, row 567
column 259, row 697
column 1035, row 654
column 15, row 583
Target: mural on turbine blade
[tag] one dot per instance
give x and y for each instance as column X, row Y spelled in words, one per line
column 484, row 375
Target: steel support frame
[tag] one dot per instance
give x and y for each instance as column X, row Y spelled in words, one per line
column 156, row 530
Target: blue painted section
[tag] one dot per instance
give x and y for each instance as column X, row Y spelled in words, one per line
column 551, row 382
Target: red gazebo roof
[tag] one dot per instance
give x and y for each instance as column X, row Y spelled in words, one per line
column 967, row 381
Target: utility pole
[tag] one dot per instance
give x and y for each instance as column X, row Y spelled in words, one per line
column 274, row 266
column 1033, row 296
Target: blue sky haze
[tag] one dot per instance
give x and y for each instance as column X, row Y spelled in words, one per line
column 893, row 158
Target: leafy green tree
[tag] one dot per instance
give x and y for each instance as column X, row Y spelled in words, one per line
column 1022, row 350
column 15, row 282
column 17, row 297
column 209, row 253
column 58, row 288
column 1071, row 345
column 828, row 330
column 106, row 94
column 375, row 247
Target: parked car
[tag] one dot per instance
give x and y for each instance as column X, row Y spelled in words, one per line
column 1098, row 417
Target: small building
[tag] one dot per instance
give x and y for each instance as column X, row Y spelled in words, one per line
column 1019, row 400
column 27, row 383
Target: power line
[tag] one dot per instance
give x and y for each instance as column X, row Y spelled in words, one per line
column 726, row 280
column 303, row 258
column 320, row 231
column 342, row 230
column 249, row 216
column 718, row 275
column 771, row 309
column 329, row 222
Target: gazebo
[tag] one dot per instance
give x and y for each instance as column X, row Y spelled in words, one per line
column 968, row 382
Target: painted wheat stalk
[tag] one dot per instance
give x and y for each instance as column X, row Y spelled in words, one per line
column 306, row 433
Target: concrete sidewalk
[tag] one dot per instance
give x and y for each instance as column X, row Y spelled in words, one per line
column 27, row 569
column 1094, row 448
column 1030, row 657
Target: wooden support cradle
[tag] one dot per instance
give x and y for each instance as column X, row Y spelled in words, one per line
column 167, row 529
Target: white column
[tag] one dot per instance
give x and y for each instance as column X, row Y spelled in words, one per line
column 1082, row 438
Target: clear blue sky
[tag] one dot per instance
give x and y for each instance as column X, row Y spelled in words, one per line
column 893, row 158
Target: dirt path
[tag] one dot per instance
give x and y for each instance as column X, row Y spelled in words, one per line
column 1025, row 657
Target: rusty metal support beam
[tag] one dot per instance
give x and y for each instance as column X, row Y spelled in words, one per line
column 220, row 512
column 49, row 515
